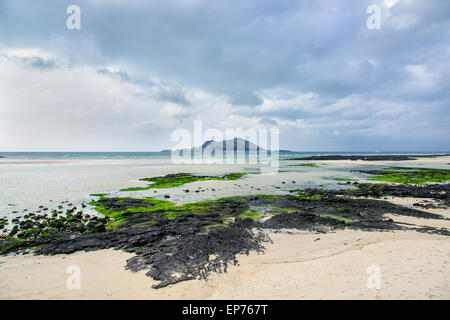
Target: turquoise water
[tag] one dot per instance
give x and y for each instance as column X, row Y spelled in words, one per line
column 166, row 155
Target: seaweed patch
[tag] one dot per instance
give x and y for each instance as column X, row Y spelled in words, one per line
column 409, row 175
column 178, row 179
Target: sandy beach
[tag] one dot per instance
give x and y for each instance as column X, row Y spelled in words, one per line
column 296, row 265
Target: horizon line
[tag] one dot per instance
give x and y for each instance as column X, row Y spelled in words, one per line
column 169, row 150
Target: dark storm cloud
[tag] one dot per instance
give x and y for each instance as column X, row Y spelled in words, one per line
column 160, row 91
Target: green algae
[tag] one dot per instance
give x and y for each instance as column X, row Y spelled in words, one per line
column 306, row 195
column 117, row 208
column 279, row 210
column 209, row 226
column 178, row 179
column 32, row 229
column 99, row 194
column 345, row 179
column 242, row 207
column 254, row 215
column 407, row 175
column 113, row 209
column 313, row 165
column 337, row 217
column 12, row 244
column 35, row 227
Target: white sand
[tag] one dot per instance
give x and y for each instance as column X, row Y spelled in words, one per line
column 412, row 266
column 295, row 266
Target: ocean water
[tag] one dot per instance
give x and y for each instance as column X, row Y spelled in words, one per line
column 167, row 155
column 32, row 179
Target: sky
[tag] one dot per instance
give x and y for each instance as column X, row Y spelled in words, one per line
column 138, row 70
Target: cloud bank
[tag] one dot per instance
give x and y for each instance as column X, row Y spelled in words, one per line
column 138, row 70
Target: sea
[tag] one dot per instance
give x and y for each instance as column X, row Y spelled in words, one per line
column 30, row 180
column 167, row 155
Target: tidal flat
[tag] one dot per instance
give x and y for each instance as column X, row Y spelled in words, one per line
column 173, row 241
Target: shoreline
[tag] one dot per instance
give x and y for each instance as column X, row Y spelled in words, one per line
column 299, row 264
column 381, row 157
column 413, row 266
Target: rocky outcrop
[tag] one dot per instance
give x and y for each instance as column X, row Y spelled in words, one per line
column 181, row 242
column 370, row 158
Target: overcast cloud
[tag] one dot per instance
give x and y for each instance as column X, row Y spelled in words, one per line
column 137, row 70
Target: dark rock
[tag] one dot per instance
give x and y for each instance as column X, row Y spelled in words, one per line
column 177, row 248
column 369, row 158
